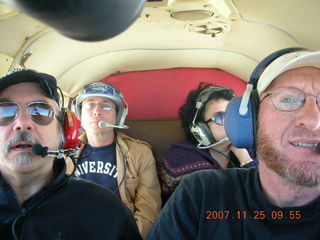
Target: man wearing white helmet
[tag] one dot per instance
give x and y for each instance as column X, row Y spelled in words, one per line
column 120, row 163
column 281, row 198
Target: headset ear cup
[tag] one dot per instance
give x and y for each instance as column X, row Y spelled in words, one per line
column 75, row 107
column 240, row 129
column 202, row 133
column 71, row 127
column 206, row 132
column 121, row 118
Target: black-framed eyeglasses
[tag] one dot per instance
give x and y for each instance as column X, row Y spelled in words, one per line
column 218, row 118
column 41, row 113
column 289, row 99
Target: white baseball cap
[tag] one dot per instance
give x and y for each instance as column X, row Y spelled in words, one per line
column 286, row 62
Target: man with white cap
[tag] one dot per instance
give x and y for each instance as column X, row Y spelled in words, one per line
column 281, row 198
column 114, row 160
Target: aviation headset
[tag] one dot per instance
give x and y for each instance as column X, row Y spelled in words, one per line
column 105, row 90
column 200, row 129
column 71, row 126
column 241, row 114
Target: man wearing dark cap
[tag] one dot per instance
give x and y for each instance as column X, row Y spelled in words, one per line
column 38, row 200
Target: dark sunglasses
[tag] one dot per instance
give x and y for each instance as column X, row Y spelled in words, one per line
column 218, row 118
column 41, row 113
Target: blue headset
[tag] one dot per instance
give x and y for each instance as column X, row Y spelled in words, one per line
column 241, row 113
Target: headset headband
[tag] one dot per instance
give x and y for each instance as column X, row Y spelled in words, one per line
column 255, row 75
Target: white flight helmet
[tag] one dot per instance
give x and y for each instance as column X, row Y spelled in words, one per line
column 100, row 89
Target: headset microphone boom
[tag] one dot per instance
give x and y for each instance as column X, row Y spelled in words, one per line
column 39, row 150
column 104, row 124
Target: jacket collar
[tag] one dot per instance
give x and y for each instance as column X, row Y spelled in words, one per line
column 120, row 137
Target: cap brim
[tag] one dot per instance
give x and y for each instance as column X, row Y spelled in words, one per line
column 17, row 77
column 46, row 82
column 285, row 63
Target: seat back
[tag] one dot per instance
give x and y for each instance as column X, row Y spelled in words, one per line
column 159, row 133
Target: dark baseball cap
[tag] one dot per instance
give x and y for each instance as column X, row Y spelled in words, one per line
column 47, row 82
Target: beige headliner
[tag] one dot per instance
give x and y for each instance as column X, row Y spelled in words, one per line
column 251, row 30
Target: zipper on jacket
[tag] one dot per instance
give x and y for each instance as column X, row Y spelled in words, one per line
column 18, row 224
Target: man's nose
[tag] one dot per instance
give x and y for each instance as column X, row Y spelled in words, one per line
column 309, row 115
column 23, row 122
column 96, row 110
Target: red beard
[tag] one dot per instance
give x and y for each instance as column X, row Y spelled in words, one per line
column 283, row 166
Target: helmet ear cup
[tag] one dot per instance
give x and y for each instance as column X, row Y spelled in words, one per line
column 202, row 133
column 75, row 107
column 121, row 115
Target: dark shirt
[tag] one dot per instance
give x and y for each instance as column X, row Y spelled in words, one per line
column 229, row 204
column 99, row 165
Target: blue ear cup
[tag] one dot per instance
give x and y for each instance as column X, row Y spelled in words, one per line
column 240, row 129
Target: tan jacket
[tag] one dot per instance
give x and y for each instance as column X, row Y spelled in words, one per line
column 139, row 189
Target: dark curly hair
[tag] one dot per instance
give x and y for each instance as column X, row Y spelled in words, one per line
column 188, row 110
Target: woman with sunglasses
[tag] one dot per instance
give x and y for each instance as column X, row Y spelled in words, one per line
column 207, row 147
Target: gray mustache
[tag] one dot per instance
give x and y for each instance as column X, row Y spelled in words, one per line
column 20, row 137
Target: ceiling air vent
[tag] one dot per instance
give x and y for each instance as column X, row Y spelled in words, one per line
column 192, row 15
column 212, row 29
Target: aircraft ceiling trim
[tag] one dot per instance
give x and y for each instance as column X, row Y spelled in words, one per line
column 131, row 62
column 227, row 9
column 16, row 31
column 277, row 29
column 5, row 62
column 25, row 50
column 6, row 11
column 83, row 49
